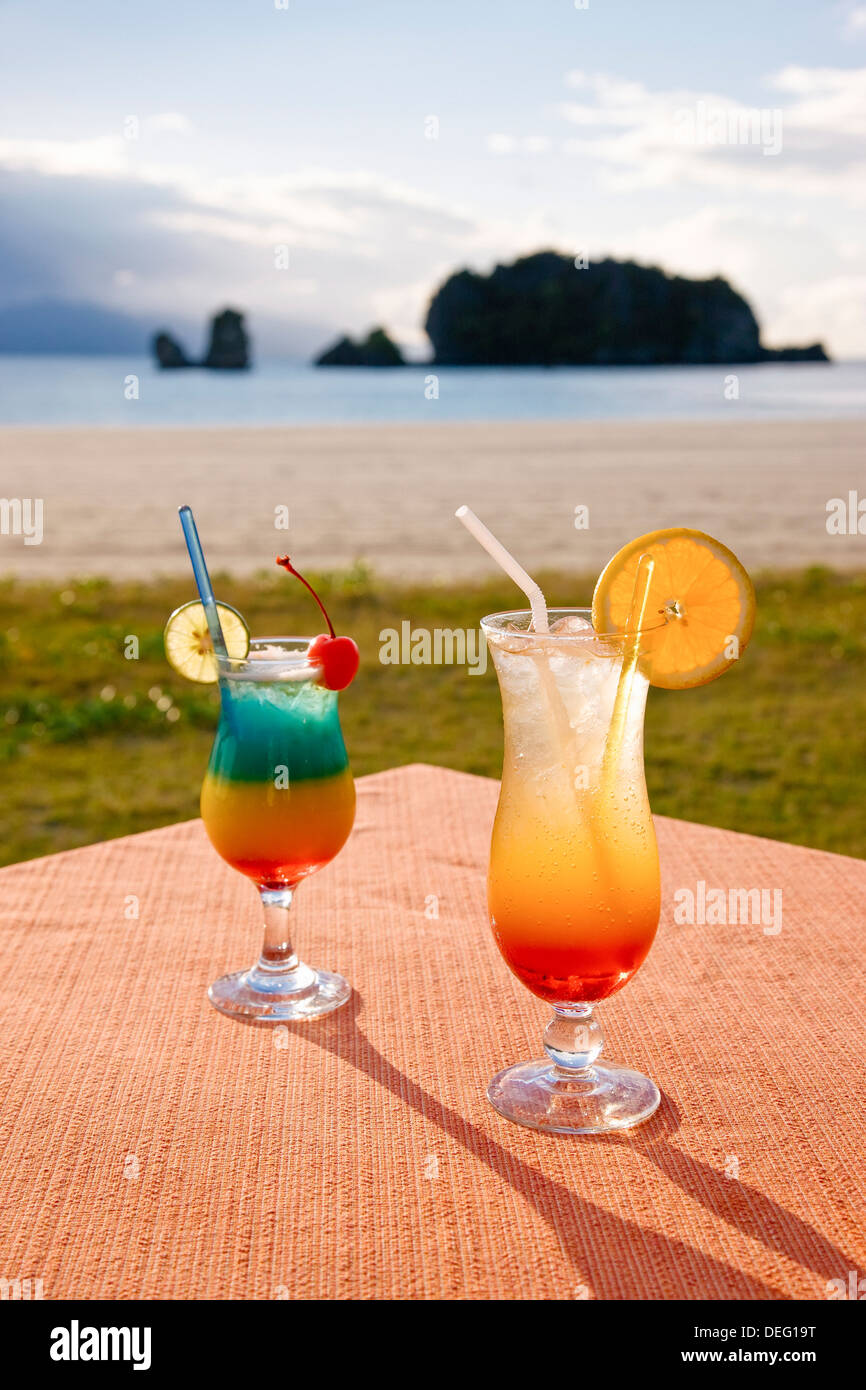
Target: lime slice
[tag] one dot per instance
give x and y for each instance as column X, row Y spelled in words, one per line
column 187, row 640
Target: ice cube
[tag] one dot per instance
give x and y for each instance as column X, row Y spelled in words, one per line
column 588, row 646
column 571, row 626
column 509, row 639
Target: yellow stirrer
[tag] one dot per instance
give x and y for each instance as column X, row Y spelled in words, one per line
column 631, row 652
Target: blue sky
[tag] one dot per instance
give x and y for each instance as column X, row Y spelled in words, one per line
column 153, row 157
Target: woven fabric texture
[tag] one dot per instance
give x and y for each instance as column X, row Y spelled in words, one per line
column 152, row 1148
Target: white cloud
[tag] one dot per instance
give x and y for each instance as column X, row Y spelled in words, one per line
column 403, row 310
column 215, row 224
column 831, row 100
column 168, row 122
column 840, row 300
column 711, row 241
column 812, row 127
column 316, row 207
column 524, row 144
column 855, row 20
column 106, row 156
column 790, row 269
column 365, row 247
column 360, row 244
column 102, row 156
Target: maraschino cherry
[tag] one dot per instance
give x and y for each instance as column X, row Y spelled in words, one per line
column 337, row 656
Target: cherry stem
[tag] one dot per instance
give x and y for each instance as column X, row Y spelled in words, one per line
column 287, row 565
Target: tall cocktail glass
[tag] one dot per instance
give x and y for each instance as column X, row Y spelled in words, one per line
column 278, row 803
column 573, row 884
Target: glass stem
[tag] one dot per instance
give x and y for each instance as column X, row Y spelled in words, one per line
column 278, row 954
column 278, row 970
column 573, row 1039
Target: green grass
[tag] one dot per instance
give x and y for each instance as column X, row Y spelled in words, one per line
column 776, row 747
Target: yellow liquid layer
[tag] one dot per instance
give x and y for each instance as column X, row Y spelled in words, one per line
column 573, row 889
column 278, row 835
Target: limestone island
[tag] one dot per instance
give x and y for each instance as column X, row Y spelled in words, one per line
column 228, row 350
column 553, row 310
column 376, row 350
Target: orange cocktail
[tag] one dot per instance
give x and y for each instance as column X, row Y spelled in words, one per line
column 573, row 885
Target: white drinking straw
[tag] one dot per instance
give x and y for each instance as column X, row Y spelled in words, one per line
column 502, row 557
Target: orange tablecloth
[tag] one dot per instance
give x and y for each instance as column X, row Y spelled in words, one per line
column 153, row 1148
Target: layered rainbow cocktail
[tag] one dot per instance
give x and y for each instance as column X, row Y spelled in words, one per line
column 278, row 803
column 278, row 800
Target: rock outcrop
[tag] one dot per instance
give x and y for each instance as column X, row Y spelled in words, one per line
column 169, row 353
column 376, row 350
column 544, row 311
column 813, row 352
column 229, row 348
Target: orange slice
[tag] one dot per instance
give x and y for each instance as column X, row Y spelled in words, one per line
column 701, row 596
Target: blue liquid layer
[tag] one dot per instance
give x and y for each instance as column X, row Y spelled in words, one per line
column 265, row 726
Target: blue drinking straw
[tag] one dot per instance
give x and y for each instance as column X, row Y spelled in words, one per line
column 202, row 580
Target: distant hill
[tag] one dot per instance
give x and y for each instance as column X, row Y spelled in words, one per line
column 543, row 311
column 65, row 326
column 376, row 350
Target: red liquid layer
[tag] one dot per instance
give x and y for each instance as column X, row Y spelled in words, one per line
column 278, row 836
column 570, row 976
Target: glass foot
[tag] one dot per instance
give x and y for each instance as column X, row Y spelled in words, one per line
column 595, row 1100
column 273, row 997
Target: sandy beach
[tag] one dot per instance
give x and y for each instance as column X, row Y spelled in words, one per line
column 386, row 493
